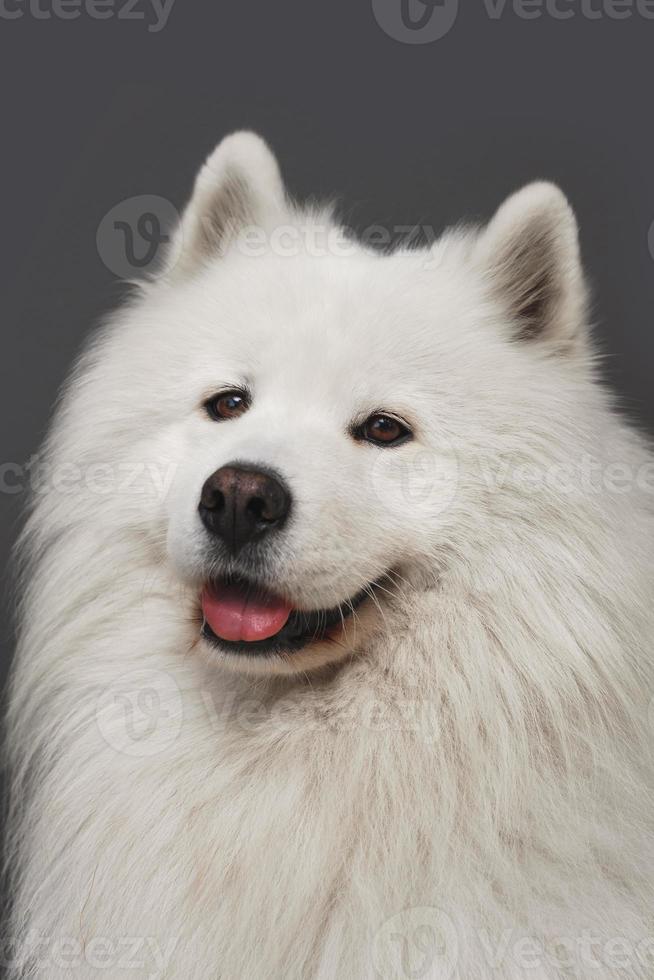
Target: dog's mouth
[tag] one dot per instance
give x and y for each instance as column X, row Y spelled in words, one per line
column 244, row 618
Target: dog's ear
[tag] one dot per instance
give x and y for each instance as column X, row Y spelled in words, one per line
column 239, row 186
column 529, row 258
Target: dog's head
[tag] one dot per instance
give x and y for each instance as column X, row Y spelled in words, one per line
column 322, row 402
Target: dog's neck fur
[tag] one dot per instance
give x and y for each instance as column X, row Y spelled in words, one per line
column 471, row 767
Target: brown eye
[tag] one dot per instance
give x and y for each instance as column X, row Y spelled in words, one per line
column 384, row 430
column 227, row 405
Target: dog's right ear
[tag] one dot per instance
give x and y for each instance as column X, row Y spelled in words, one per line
column 529, row 259
column 239, row 186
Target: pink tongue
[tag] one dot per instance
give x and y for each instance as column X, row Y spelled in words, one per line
column 234, row 614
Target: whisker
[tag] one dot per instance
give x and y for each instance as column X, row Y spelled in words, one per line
column 369, row 591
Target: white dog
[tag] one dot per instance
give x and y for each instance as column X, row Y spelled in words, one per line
column 337, row 609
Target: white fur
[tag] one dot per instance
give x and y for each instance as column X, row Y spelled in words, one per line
column 480, row 749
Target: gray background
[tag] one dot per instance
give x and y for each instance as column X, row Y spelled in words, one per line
column 96, row 111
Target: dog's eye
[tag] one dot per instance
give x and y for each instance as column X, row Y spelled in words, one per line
column 227, row 405
column 384, row 430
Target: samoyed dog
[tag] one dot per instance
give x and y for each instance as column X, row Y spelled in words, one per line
column 336, row 616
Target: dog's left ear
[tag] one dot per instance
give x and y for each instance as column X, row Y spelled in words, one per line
column 529, row 258
column 239, row 186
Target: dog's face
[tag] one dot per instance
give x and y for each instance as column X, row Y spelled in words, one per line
column 312, row 424
column 321, row 409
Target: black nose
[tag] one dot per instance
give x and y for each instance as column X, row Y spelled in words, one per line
column 240, row 504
